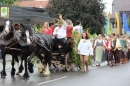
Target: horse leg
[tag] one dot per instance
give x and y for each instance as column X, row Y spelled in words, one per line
column 47, row 61
column 26, row 75
column 40, row 67
column 3, row 72
column 30, row 65
column 21, row 66
column 46, row 71
column 17, row 65
column 12, row 63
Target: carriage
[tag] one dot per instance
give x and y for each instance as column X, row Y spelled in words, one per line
column 62, row 59
column 59, row 58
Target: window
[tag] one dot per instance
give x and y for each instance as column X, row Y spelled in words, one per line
column 112, row 24
column 113, row 6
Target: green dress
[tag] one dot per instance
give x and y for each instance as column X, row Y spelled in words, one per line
column 99, row 52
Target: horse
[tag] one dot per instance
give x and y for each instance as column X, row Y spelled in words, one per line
column 9, row 45
column 36, row 45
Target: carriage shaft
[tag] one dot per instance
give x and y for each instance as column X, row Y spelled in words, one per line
column 13, row 48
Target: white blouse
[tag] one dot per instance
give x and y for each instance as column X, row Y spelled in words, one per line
column 85, row 47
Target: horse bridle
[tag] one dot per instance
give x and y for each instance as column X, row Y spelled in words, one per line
column 30, row 37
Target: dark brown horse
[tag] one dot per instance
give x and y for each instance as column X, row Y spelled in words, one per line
column 35, row 45
column 9, row 45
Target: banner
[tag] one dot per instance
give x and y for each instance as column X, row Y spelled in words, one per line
column 4, row 12
column 125, row 24
column 107, row 29
column 118, row 23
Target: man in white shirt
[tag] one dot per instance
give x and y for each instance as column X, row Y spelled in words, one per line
column 78, row 27
column 60, row 33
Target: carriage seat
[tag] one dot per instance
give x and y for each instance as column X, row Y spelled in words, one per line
column 58, row 47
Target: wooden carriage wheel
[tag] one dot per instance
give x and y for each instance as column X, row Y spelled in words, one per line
column 68, row 62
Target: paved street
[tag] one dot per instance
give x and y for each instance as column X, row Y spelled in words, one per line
column 101, row 76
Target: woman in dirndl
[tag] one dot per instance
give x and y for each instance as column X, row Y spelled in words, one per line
column 99, row 50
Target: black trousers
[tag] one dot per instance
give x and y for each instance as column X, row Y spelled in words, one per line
column 63, row 41
column 128, row 54
column 114, row 53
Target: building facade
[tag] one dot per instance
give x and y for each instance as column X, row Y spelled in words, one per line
column 120, row 7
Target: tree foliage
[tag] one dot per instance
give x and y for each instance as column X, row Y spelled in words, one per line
column 89, row 12
column 38, row 28
column 8, row 2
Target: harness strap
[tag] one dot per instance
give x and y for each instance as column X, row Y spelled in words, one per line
column 42, row 42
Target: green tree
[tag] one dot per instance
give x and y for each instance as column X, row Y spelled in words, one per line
column 8, row 2
column 90, row 12
column 128, row 21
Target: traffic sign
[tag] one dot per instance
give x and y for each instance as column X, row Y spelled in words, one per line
column 5, row 12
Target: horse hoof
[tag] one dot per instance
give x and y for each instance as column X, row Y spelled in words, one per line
column 30, row 69
column 3, row 74
column 13, row 72
column 46, row 74
column 21, row 69
column 26, row 76
column 12, row 76
column 17, row 73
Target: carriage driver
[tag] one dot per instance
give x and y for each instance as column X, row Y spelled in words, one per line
column 60, row 33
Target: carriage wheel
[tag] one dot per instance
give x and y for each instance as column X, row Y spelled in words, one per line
column 68, row 62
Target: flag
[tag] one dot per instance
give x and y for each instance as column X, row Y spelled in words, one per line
column 107, row 29
column 125, row 24
column 118, row 23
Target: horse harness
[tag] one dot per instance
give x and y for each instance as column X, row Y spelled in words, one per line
column 7, row 42
column 42, row 42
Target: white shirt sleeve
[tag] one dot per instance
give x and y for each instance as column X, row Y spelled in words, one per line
column 64, row 25
column 79, row 45
column 90, row 49
column 55, row 31
column 81, row 29
column 117, row 42
column 104, row 44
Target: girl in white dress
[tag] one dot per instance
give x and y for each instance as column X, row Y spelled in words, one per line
column 85, row 49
